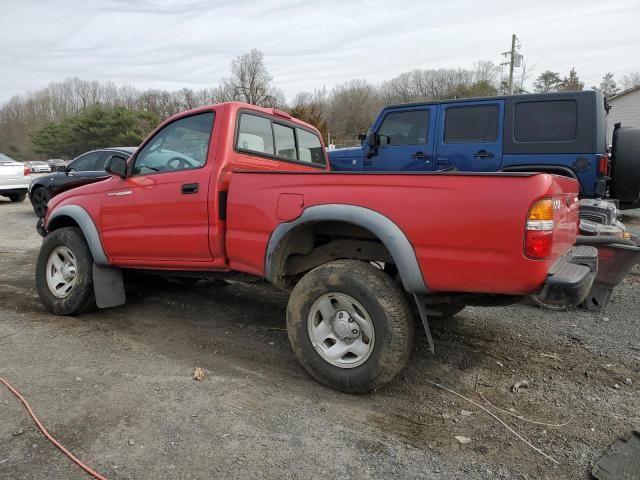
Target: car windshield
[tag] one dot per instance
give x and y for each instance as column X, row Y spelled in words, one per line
column 5, row 158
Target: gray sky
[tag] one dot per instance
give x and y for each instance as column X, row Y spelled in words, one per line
column 307, row 44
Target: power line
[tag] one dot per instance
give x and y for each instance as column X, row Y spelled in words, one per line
column 563, row 66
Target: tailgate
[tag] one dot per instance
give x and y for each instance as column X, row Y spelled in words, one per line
column 566, row 215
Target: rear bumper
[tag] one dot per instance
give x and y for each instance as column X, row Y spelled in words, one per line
column 570, row 278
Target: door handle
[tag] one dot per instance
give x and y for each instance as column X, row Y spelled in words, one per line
column 483, row 154
column 188, row 188
column 420, row 156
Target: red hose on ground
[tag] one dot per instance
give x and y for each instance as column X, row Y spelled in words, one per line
column 48, row 435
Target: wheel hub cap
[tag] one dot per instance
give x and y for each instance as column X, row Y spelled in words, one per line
column 61, row 272
column 345, row 326
column 341, row 330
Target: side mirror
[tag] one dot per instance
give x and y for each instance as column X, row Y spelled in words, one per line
column 116, row 165
column 362, row 136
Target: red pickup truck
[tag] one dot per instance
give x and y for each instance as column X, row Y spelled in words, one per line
column 235, row 189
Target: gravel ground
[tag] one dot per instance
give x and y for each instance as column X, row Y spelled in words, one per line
column 115, row 387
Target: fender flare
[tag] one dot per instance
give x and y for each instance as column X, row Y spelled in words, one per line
column 391, row 236
column 89, row 230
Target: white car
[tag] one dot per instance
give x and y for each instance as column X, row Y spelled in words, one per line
column 39, row 167
column 14, row 178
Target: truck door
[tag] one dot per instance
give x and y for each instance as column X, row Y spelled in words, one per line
column 160, row 213
column 470, row 136
column 406, row 140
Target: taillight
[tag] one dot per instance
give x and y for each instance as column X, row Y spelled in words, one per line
column 603, row 165
column 539, row 230
column 27, row 170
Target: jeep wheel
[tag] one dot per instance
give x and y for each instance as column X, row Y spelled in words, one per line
column 64, row 273
column 350, row 326
column 39, row 199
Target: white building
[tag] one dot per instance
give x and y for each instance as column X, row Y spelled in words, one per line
column 625, row 109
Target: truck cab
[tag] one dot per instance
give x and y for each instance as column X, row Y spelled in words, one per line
column 559, row 133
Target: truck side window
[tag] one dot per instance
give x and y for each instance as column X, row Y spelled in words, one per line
column 285, row 142
column 404, row 128
column 548, row 121
column 254, row 134
column 472, row 124
column 181, row 145
column 310, row 148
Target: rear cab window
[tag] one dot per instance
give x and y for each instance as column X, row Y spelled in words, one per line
column 267, row 137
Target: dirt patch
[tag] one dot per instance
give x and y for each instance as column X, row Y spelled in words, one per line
column 116, row 386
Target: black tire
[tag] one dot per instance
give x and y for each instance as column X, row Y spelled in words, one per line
column 387, row 308
column 81, row 298
column 39, row 199
column 625, row 167
column 17, row 197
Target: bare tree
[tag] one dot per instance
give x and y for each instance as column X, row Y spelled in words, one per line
column 571, row 83
column 547, row 82
column 607, row 86
column 250, row 82
column 631, row 80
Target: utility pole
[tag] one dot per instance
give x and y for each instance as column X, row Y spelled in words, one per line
column 513, row 59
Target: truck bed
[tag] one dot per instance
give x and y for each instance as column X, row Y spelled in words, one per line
column 467, row 229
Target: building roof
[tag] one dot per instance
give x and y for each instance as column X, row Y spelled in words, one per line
column 624, row 92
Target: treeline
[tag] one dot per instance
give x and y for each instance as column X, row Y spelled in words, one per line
column 70, row 117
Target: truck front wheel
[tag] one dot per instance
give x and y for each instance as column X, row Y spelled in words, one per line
column 64, row 273
column 350, row 326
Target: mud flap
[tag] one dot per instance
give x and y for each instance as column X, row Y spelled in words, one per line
column 108, row 286
column 425, row 322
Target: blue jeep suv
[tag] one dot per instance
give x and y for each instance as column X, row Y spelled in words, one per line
column 562, row 133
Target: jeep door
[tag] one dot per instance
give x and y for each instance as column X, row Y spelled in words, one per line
column 470, row 135
column 406, row 140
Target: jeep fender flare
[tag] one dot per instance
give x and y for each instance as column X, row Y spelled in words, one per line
column 391, row 236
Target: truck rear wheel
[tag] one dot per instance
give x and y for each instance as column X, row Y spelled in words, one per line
column 64, row 273
column 350, row 326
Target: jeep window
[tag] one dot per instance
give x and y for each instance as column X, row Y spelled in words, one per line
column 310, row 148
column 404, row 128
column 472, row 124
column 548, row 121
column 181, row 145
column 255, row 135
column 285, row 142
